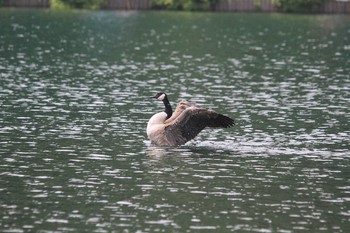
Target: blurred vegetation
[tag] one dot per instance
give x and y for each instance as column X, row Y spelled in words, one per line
column 303, row 6
column 77, row 4
column 188, row 5
column 299, row 5
column 198, row 5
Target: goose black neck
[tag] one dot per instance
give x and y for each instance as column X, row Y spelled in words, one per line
column 168, row 109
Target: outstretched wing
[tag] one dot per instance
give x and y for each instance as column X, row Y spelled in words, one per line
column 193, row 120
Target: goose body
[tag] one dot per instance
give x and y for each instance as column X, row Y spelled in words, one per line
column 174, row 129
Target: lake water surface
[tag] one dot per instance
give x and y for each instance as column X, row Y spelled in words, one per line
column 74, row 155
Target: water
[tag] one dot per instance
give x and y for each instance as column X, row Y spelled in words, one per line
column 74, row 90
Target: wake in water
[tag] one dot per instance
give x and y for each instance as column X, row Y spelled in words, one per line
column 245, row 148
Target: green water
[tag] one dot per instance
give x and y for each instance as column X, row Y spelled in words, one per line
column 74, row 155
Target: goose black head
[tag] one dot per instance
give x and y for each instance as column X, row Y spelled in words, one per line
column 163, row 97
column 160, row 96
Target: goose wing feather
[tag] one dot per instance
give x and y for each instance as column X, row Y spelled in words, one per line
column 193, row 120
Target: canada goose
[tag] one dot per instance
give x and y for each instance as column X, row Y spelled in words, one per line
column 174, row 129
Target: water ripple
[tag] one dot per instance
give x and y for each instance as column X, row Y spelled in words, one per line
column 74, row 97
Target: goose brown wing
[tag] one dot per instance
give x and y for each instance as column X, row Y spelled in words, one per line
column 193, row 120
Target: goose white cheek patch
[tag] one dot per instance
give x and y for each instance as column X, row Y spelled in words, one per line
column 161, row 97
